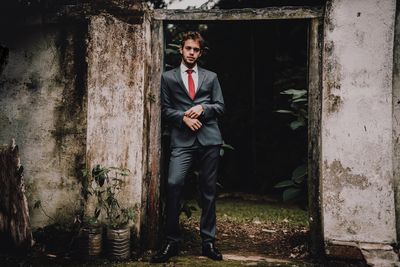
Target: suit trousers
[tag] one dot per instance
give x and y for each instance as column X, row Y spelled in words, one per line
column 182, row 158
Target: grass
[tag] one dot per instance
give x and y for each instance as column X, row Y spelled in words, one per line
column 242, row 211
column 247, row 211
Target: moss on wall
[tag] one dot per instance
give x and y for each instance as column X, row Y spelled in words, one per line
column 43, row 99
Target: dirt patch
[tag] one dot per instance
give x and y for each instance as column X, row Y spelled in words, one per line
column 251, row 239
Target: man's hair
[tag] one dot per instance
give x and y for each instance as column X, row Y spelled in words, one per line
column 196, row 36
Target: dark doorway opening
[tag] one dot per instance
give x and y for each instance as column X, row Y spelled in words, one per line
column 255, row 61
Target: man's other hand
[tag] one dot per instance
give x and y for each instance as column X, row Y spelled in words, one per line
column 193, row 124
column 194, row 112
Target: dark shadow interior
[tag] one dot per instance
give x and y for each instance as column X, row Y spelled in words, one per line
column 255, row 61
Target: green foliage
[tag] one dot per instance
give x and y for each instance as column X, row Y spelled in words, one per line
column 107, row 183
column 90, row 189
column 225, row 147
column 38, row 205
column 298, row 105
column 296, row 187
column 245, row 211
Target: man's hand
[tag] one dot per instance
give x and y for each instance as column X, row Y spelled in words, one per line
column 193, row 124
column 194, row 112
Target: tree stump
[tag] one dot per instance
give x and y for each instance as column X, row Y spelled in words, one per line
column 15, row 230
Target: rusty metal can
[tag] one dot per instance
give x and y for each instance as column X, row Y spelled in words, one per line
column 118, row 243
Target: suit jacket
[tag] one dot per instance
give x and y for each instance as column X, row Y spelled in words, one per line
column 175, row 100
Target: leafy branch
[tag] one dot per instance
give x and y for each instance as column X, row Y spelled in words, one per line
column 298, row 105
column 296, row 186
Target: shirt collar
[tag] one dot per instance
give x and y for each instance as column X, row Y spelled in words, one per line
column 184, row 68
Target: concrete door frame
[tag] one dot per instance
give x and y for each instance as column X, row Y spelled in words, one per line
column 154, row 21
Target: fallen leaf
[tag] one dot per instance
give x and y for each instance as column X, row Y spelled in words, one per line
column 268, row 231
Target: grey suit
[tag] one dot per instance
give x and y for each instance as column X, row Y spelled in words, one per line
column 188, row 147
column 176, row 100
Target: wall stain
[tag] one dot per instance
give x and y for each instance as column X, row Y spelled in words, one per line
column 333, row 77
column 70, row 111
column 332, row 68
column 34, row 83
column 334, row 103
column 343, row 177
column 329, row 20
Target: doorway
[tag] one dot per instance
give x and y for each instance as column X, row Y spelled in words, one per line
column 255, row 65
column 252, row 23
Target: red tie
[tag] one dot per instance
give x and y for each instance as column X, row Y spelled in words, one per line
column 191, row 83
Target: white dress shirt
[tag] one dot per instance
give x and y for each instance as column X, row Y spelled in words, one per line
column 195, row 76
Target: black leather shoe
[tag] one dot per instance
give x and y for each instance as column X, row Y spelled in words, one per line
column 170, row 249
column 209, row 250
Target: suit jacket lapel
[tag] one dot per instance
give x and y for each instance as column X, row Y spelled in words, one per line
column 178, row 77
column 202, row 75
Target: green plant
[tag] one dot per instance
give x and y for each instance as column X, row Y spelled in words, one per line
column 38, row 205
column 296, row 187
column 92, row 188
column 114, row 179
column 105, row 185
column 225, row 147
column 298, row 108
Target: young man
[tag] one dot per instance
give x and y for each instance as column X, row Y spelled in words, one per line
column 191, row 104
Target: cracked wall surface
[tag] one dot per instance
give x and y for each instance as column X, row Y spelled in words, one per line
column 43, row 106
column 115, row 130
column 72, row 96
column 357, row 171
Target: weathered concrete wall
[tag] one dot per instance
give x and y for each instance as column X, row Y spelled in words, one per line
column 43, row 106
column 357, row 168
column 115, row 133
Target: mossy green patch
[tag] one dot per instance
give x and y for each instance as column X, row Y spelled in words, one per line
column 245, row 211
column 242, row 211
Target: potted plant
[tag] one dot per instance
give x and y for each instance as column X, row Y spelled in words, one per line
column 90, row 230
column 117, row 217
column 90, row 239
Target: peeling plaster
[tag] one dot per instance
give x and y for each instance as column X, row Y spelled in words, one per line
column 356, row 133
column 343, row 176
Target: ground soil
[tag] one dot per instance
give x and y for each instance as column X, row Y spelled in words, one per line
column 255, row 231
column 252, row 238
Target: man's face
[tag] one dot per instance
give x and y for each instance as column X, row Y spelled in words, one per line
column 190, row 52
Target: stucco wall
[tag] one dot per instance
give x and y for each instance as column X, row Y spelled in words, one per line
column 72, row 95
column 43, row 106
column 115, row 133
column 357, row 169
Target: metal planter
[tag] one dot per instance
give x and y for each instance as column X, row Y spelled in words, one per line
column 118, row 243
column 90, row 242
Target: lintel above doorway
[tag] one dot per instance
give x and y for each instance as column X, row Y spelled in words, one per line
column 269, row 13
